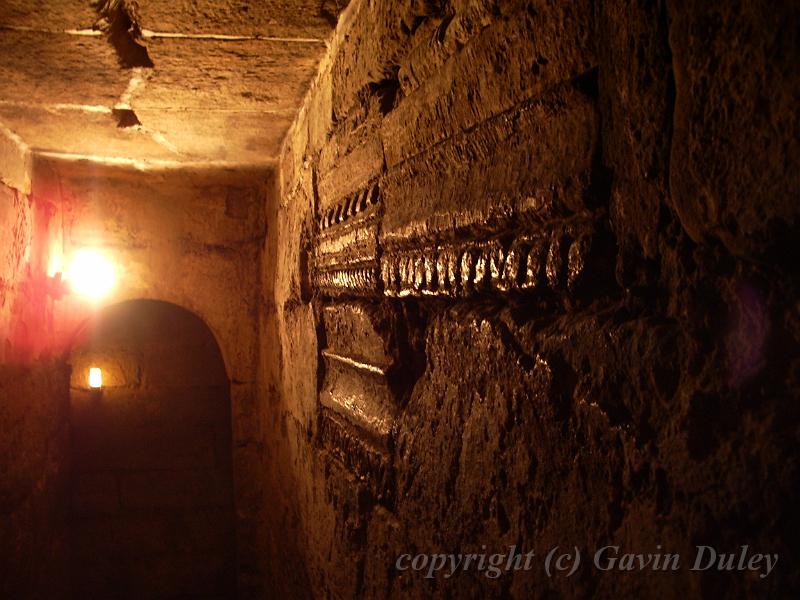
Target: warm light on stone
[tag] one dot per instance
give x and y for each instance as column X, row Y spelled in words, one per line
column 55, row 264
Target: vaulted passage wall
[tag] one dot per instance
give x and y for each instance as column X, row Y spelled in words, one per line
column 192, row 237
column 523, row 275
column 151, row 502
column 533, row 288
column 34, row 480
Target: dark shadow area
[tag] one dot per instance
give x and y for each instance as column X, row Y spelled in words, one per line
column 151, row 497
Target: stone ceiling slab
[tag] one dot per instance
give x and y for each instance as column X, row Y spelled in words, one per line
column 40, row 68
column 247, row 75
column 226, row 80
column 231, row 136
column 267, row 18
column 53, row 15
column 82, row 133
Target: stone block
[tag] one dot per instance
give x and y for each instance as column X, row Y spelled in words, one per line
column 735, row 132
column 521, row 58
column 360, row 393
column 320, row 116
column 531, row 165
column 350, row 173
column 360, row 332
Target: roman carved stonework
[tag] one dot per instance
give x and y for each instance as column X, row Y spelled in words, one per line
column 485, row 214
column 492, row 210
column 356, row 390
column 346, row 444
column 349, row 259
column 554, row 258
column 346, row 253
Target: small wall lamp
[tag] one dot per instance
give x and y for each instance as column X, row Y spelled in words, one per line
column 95, row 378
column 90, row 274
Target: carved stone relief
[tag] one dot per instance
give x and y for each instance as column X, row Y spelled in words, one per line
column 346, row 252
column 486, row 214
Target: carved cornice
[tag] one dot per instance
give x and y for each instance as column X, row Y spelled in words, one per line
column 346, row 255
column 350, row 259
column 355, row 384
column 351, row 207
column 554, row 257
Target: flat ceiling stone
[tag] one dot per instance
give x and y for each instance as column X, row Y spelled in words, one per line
column 271, row 18
column 47, row 14
column 88, row 134
column 198, row 135
column 42, row 68
column 228, row 76
column 247, row 75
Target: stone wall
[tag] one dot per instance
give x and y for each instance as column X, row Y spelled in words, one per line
column 191, row 236
column 15, row 239
column 529, row 284
column 34, row 404
column 30, row 227
column 34, row 481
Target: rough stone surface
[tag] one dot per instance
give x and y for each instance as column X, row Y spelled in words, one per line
column 243, row 76
column 39, row 68
column 522, row 55
column 637, row 95
column 427, row 194
column 34, row 481
column 599, row 361
column 735, row 133
column 48, row 14
column 523, row 276
column 196, row 82
column 15, row 239
column 273, row 18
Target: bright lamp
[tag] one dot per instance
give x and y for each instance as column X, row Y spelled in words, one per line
column 91, row 274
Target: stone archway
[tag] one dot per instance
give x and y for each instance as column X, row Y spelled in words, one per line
column 152, row 493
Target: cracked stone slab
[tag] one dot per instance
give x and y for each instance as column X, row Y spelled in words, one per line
column 191, row 136
column 81, row 133
column 247, row 137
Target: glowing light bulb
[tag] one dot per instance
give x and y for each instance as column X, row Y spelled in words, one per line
column 91, row 274
column 95, row 378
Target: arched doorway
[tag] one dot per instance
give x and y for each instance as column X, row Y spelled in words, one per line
column 152, row 492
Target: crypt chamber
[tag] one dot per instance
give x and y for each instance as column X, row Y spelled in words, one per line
column 366, row 299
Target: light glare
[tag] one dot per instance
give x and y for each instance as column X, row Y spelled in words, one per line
column 95, row 378
column 55, row 265
column 91, row 274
